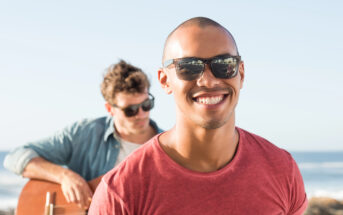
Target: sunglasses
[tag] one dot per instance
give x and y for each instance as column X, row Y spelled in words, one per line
column 132, row 110
column 190, row 68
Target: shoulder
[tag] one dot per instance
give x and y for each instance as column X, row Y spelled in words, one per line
column 89, row 124
column 263, row 150
column 267, row 158
column 277, row 167
column 258, row 143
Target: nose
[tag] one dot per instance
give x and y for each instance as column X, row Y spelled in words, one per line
column 207, row 78
column 141, row 113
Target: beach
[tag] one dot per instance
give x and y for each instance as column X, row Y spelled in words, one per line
column 324, row 206
column 9, row 211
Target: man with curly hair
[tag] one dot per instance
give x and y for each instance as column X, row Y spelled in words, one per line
column 91, row 147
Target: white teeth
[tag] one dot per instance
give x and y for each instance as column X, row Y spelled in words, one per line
column 210, row 100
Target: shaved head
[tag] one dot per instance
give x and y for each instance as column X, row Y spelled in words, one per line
column 201, row 22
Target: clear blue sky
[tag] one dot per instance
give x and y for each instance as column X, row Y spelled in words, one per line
column 53, row 55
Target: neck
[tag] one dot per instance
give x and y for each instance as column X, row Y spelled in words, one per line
column 138, row 137
column 201, row 149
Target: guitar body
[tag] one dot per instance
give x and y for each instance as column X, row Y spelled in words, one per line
column 32, row 198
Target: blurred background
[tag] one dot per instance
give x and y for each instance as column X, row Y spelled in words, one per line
column 53, row 55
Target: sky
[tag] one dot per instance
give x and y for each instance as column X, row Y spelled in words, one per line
column 53, row 55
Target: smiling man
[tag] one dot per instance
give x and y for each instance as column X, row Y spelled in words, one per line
column 91, row 147
column 204, row 164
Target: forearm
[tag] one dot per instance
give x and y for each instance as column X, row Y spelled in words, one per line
column 40, row 168
column 74, row 187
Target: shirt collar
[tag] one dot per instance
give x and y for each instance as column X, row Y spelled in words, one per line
column 109, row 127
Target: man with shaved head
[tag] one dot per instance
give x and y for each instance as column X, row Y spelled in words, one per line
column 204, row 164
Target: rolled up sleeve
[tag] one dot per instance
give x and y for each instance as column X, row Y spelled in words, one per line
column 56, row 149
column 17, row 159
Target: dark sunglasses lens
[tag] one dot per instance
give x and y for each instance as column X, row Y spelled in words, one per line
column 189, row 69
column 131, row 110
column 225, row 67
column 148, row 105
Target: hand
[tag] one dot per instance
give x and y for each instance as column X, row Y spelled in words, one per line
column 76, row 189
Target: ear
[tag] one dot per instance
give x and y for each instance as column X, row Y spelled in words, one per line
column 241, row 73
column 109, row 108
column 164, row 81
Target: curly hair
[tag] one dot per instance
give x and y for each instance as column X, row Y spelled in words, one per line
column 123, row 77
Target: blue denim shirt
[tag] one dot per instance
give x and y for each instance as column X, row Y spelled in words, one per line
column 87, row 147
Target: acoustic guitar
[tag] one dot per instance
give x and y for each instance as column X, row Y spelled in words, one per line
column 35, row 194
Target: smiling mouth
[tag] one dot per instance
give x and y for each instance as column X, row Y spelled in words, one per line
column 210, row 100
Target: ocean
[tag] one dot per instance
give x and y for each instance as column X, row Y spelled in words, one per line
column 322, row 173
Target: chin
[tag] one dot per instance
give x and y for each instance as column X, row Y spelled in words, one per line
column 212, row 124
column 140, row 128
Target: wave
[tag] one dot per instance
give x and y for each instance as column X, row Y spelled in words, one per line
column 315, row 165
column 9, row 179
column 338, row 194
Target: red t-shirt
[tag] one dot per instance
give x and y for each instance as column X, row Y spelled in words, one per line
column 260, row 179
